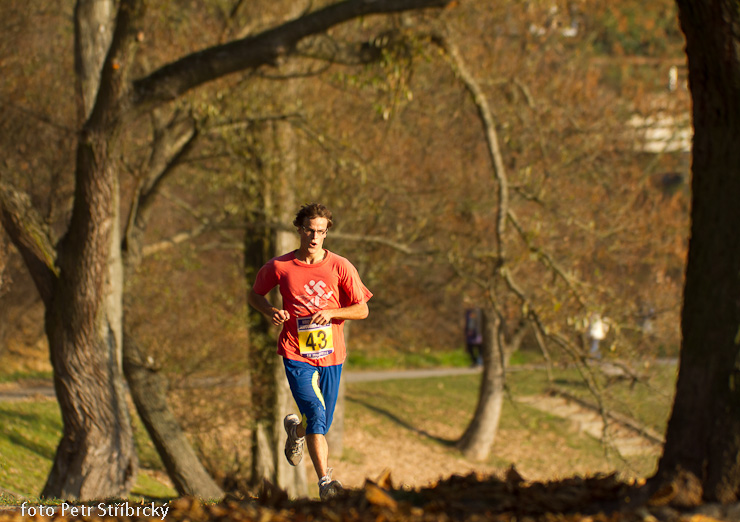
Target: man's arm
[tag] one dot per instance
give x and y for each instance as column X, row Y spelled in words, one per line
column 261, row 304
column 355, row 311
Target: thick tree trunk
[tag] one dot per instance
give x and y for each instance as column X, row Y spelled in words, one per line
column 703, row 435
column 148, row 389
column 96, row 456
column 479, row 436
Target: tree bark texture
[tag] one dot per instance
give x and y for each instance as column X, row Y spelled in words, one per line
column 148, row 390
column 479, row 436
column 94, row 31
column 703, row 434
column 96, row 456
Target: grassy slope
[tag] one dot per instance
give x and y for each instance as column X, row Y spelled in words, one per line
column 29, row 433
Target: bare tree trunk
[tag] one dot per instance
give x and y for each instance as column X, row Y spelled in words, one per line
column 271, row 394
column 148, row 389
column 479, row 436
column 96, row 457
column 703, row 435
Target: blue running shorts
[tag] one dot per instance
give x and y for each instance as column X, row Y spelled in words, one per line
column 315, row 390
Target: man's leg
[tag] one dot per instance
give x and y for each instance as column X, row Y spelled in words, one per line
column 315, row 390
column 319, row 451
column 318, row 447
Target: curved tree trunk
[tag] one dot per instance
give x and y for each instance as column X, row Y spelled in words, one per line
column 148, row 390
column 703, row 435
column 96, row 457
column 479, row 436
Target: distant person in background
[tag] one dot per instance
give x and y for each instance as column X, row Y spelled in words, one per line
column 474, row 335
column 597, row 330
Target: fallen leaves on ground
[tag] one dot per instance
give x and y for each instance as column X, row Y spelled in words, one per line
column 471, row 498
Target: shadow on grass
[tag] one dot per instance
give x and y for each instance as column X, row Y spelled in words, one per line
column 573, row 383
column 45, row 449
column 404, row 424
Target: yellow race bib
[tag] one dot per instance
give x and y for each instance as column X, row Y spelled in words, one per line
column 314, row 341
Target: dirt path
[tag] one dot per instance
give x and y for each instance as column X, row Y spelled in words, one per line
column 627, row 441
column 14, row 391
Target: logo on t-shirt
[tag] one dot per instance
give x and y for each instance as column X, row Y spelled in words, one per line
column 316, row 296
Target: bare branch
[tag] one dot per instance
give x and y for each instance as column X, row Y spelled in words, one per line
column 31, row 237
column 266, row 48
column 481, row 104
column 547, row 260
column 173, row 241
column 171, row 143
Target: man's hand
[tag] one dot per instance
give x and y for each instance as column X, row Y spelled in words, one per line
column 279, row 316
column 355, row 311
column 322, row 317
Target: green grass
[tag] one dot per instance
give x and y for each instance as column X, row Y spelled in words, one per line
column 25, row 375
column 29, row 435
column 647, row 401
column 397, row 360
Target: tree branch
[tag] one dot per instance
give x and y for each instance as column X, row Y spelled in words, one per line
column 266, row 48
column 31, row 237
column 489, row 125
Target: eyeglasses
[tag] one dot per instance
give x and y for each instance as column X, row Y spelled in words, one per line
column 312, row 232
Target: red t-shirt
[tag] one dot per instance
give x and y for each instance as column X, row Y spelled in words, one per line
column 331, row 283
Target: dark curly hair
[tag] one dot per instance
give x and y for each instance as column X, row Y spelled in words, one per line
column 311, row 211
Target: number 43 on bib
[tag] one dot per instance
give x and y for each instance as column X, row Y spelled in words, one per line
column 314, row 340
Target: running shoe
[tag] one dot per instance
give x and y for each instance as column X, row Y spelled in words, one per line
column 329, row 488
column 293, row 444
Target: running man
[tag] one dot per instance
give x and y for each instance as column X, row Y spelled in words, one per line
column 320, row 290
